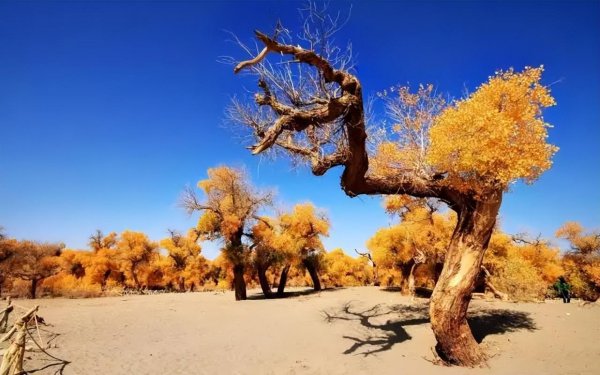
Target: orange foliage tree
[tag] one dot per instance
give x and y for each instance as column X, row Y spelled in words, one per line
column 421, row 237
column 228, row 211
column 185, row 267
column 303, row 228
column 34, row 262
column 136, row 253
column 582, row 261
column 343, row 270
column 292, row 239
column 465, row 153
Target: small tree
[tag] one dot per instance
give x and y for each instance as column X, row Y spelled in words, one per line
column 185, row 266
column 135, row 251
column 303, row 228
column 583, row 260
column 34, row 262
column 421, row 237
column 228, row 211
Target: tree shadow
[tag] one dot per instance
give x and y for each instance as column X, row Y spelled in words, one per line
column 419, row 291
column 57, row 367
column 292, row 294
column 498, row 321
column 380, row 337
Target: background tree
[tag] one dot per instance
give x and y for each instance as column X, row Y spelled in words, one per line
column 465, row 154
column 105, row 265
column 7, row 251
column 303, row 228
column 269, row 249
column 135, row 252
column 33, row 262
column 341, row 270
column 230, row 208
column 421, row 237
column 582, row 262
column 185, row 267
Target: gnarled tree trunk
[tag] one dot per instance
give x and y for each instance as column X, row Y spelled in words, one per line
column 283, row 280
column 405, row 271
column 411, row 281
column 34, row 284
column 261, row 270
column 312, row 271
column 239, row 284
column 452, row 293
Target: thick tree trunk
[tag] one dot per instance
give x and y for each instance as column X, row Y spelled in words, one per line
column 411, row 281
column 375, row 275
column 239, row 284
column 405, row 271
column 261, row 270
column 283, row 280
column 312, row 271
column 452, row 294
column 34, row 283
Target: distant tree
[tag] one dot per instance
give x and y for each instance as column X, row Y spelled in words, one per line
column 582, row 262
column 303, row 228
column 34, row 262
column 135, row 251
column 343, row 270
column 99, row 241
column 7, row 251
column 185, row 266
column 466, row 153
column 105, row 264
column 228, row 211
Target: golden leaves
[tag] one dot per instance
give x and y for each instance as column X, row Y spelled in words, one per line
column 495, row 136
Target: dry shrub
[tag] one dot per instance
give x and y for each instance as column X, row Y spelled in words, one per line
column 520, row 280
column 66, row 285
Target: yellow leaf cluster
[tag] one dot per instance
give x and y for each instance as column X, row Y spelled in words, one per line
column 495, row 136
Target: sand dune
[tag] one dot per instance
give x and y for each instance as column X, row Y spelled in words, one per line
column 347, row 331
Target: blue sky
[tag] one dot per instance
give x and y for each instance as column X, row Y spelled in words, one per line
column 108, row 109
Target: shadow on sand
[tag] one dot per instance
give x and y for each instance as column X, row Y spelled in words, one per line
column 419, row 291
column 382, row 334
column 292, row 294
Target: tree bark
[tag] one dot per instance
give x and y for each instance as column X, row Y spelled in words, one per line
column 261, row 270
column 34, row 283
column 452, row 294
column 312, row 271
column 405, row 271
column 411, row 281
column 239, row 284
column 283, row 280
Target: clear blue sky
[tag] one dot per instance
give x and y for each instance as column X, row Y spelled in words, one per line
column 108, row 109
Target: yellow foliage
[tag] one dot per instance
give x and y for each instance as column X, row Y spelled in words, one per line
column 344, row 270
column 583, row 260
column 495, row 136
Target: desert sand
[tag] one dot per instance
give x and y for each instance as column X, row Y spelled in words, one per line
column 343, row 331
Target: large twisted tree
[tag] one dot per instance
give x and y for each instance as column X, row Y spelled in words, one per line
column 465, row 153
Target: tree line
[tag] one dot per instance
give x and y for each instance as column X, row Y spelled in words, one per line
column 286, row 249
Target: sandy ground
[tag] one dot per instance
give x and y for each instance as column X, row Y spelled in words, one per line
column 344, row 331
